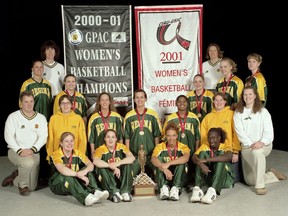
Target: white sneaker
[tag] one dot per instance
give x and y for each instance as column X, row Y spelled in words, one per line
column 174, row 194
column 117, row 197
column 127, row 197
column 164, row 192
column 90, row 199
column 210, row 196
column 197, row 195
column 101, row 194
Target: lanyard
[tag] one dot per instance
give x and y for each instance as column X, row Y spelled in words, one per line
column 212, row 153
column 170, row 152
column 105, row 120
column 182, row 124
column 70, row 160
column 74, row 99
column 112, row 160
column 141, row 121
column 249, row 80
column 199, row 104
column 225, row 84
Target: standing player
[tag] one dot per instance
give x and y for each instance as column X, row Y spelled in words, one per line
column 104, row 118
column 211, row 67
column 41, row 89
column 200, row 100
column 256, row 79
column 142, row 127
column 230, row 84
column 53, row 71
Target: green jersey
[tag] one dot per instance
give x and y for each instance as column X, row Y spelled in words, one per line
column 258, row 82
column 96, row 127
column 232, row 88
column 42, row 95
column 103, row 153
column 202, row 104
column 152, row 128
column 191, row 129
column 161, row 151
column 76, row 163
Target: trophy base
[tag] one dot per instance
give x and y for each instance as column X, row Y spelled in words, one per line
column 144, row 190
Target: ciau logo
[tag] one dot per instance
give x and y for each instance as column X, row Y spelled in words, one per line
column 162, row 30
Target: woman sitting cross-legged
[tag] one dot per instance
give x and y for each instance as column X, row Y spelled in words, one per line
column 213, row 169
column 73, row 173
column 113, row 163
column 171, row 161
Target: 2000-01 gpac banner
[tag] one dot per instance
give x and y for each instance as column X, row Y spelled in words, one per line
column 98, row 51
column 169, row 53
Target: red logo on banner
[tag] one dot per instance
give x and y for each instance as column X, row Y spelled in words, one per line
column 161, row 31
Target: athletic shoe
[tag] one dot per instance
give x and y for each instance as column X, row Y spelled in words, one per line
column 164, row 192
column 261, row 191
column 117, row 197
column 174, row 194
column 101, row 194
column 90, row 199
column 197, row 195
column 127, row 197
column 210, row 196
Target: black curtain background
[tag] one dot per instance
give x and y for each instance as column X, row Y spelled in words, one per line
column 239, row 27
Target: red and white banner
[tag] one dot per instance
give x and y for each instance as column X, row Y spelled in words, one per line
column 169, row 44
column 98, row 51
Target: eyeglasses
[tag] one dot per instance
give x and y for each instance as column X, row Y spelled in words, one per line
column 65, row 103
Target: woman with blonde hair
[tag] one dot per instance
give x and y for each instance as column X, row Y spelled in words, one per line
column 73, row 173
column 256, row 79
column 230, row 84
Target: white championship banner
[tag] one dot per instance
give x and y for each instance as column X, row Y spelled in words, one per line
column 169, row 44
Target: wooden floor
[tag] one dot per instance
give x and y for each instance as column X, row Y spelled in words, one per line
column 240, row 200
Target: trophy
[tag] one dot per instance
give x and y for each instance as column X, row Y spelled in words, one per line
column 142, row 158
column 143, row 184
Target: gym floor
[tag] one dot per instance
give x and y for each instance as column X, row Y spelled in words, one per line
column 240, row 200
